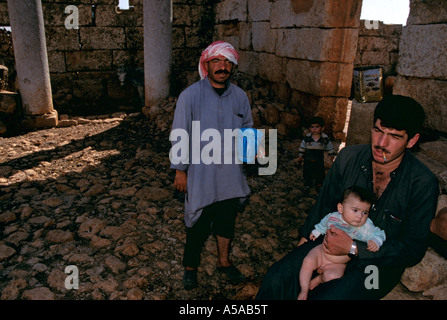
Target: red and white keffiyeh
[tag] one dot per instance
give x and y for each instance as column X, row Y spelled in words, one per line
column 218, row 48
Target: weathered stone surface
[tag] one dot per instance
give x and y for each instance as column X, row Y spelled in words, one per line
column 53, row 202
column 263, row 37
column 94, row 190
column 290, row 120
column 56, row 280
column 259, row 10
column 108, row 285
column 4, row 18
column 126, row 192
column 422, row 51
column 437, row 293
column 41, row 293
column 429, row 273
column 373, row 58
column 90, row 228
column 153, row 194
column 249, row 63
column 101, row 38
column 379, row 46
column 106, row 16
column 273, row 67
column 7, row 216
column 430, row 94
column 5, row 251
column 54, row 14
column 59, row 236
column 187, row 15
column 56, row 61
column 376, row 43
column 361, row 117
column 427, row 12
column 128, row 248
column 322, row 78
column 231, row 10
column 98, row 242
column 12, row 290
column 315, row 13
column 435, row 150
column 333, row 110
column 248, row 292
column 89, row 60
column 8, row 101
column 61, row 38
column 46, row 120
column 271, row 115
column 135, row 294
column 17, row 237
column 115, row 264
column 336, row 45
column 67, row 123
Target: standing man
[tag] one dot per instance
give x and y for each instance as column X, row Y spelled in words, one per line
column 406, row 194
column 213, row 191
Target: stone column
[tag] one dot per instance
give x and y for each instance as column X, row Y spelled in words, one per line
column 30, row 52
column 157, row 50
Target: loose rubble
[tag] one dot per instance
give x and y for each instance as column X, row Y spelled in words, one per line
column 99, row 196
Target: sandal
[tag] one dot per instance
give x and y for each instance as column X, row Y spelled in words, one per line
column 190, row 279
column 232, row 273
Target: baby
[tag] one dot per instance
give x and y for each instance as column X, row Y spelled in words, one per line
column 351, row 217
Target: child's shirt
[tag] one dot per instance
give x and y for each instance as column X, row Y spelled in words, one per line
column 314, row 150
column 364, row 233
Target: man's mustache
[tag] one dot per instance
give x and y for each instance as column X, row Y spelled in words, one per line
column 381, row 149
column 222, row 71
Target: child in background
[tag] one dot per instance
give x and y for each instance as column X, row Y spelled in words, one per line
column 311, row 151
column 352, row 218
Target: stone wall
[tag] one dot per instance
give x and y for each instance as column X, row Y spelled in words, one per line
column 86, row 63
column 6, row 52
column 193, row 22
column 303, row 50
column 422, row 67
column 379, row 46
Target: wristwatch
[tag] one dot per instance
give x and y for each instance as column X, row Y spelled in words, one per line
column 353, row 250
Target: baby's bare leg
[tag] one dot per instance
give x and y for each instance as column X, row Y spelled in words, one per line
column 310, row 263
column 333, row 271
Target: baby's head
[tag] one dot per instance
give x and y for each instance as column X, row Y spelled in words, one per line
column 355, row 206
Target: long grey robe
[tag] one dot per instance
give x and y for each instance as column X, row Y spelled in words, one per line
column 209, row 183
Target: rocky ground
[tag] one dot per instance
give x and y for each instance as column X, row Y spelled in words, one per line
column 99, row 196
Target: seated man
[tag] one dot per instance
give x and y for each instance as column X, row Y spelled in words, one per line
column 406, row 194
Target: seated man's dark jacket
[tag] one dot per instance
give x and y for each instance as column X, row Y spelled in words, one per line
column 404, row 211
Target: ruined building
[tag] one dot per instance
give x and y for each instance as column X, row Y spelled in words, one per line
column 297, row 59
column 92, row 56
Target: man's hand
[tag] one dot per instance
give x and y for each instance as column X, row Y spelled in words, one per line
column 180, row 180
column 336, row 242
column 302, row 241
